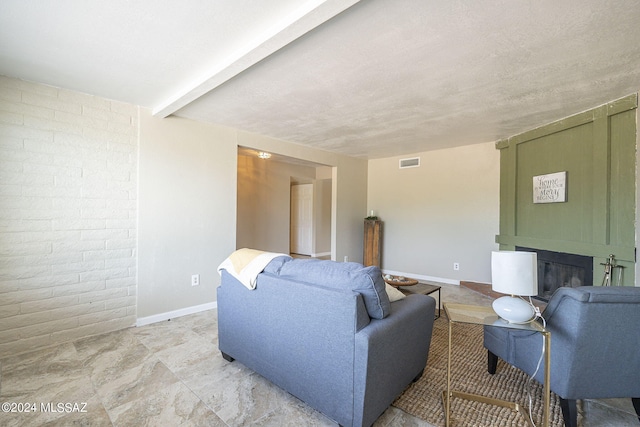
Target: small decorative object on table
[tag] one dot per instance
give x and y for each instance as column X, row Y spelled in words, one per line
column 399, row 280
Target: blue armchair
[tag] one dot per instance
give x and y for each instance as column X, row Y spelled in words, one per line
column 595, row 346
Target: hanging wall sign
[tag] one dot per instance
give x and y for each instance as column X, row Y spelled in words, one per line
column 550, row 188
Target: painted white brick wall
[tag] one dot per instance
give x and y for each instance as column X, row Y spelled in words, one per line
column 68, row 208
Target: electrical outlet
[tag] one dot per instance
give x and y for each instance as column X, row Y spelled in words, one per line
column 346, row 258
column 195, row 280
column 456, row 266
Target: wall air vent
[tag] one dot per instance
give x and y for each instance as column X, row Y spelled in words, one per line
column 410, row 163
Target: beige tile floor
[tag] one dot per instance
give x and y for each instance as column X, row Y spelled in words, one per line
column 171, row 374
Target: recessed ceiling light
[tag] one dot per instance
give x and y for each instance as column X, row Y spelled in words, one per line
column 264, row 155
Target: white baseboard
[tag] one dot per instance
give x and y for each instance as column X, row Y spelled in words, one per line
column 321, row 254
column 141, row 321
column 421, row 277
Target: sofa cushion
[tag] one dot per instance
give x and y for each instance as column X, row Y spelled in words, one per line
column 367, row 281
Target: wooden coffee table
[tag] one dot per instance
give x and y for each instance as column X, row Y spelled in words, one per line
column 424, row 289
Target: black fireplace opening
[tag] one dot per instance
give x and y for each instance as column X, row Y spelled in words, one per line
column 558, row 269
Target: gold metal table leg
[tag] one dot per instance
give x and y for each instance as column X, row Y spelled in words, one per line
column 448, row 397
column 547, row 377
column 448, row 394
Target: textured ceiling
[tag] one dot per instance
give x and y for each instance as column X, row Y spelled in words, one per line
column 370, row 78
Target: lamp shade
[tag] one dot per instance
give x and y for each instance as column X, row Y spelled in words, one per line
column 514, row 272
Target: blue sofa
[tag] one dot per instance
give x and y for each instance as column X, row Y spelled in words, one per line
column 326, row 332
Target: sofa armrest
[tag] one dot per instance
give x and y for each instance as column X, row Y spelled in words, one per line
column 391, row 353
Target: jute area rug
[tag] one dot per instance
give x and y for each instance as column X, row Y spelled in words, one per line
column 423, row 398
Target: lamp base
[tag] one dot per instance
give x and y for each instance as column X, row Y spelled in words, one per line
column 513, row 309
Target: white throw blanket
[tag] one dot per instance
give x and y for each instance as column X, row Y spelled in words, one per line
column 245, row 265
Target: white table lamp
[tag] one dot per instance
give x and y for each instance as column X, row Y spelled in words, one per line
column 514, row 273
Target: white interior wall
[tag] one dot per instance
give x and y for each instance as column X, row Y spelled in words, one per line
column 187, row 208
column 67, row 215
column 637, row 267
column 445, row 211
column 349, row 209
column 322, row 205
column 187, row 212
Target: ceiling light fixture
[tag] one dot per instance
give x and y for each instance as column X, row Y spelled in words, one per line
column 264, row 155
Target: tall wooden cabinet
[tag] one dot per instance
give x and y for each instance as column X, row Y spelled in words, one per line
column 372, row 242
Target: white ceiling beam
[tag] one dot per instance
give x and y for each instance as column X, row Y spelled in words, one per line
column 293, row 26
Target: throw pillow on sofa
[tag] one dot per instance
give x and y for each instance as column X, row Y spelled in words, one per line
column 367, row 281
column 393, row 293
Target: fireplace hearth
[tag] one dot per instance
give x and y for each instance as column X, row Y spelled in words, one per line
column 558, row 269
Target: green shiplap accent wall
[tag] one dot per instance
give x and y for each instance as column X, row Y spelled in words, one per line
column 597, row 149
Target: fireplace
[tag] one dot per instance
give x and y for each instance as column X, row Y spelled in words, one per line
column 557, row 269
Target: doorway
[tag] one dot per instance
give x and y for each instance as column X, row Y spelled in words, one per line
column 301, row 233
column 265, row 218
